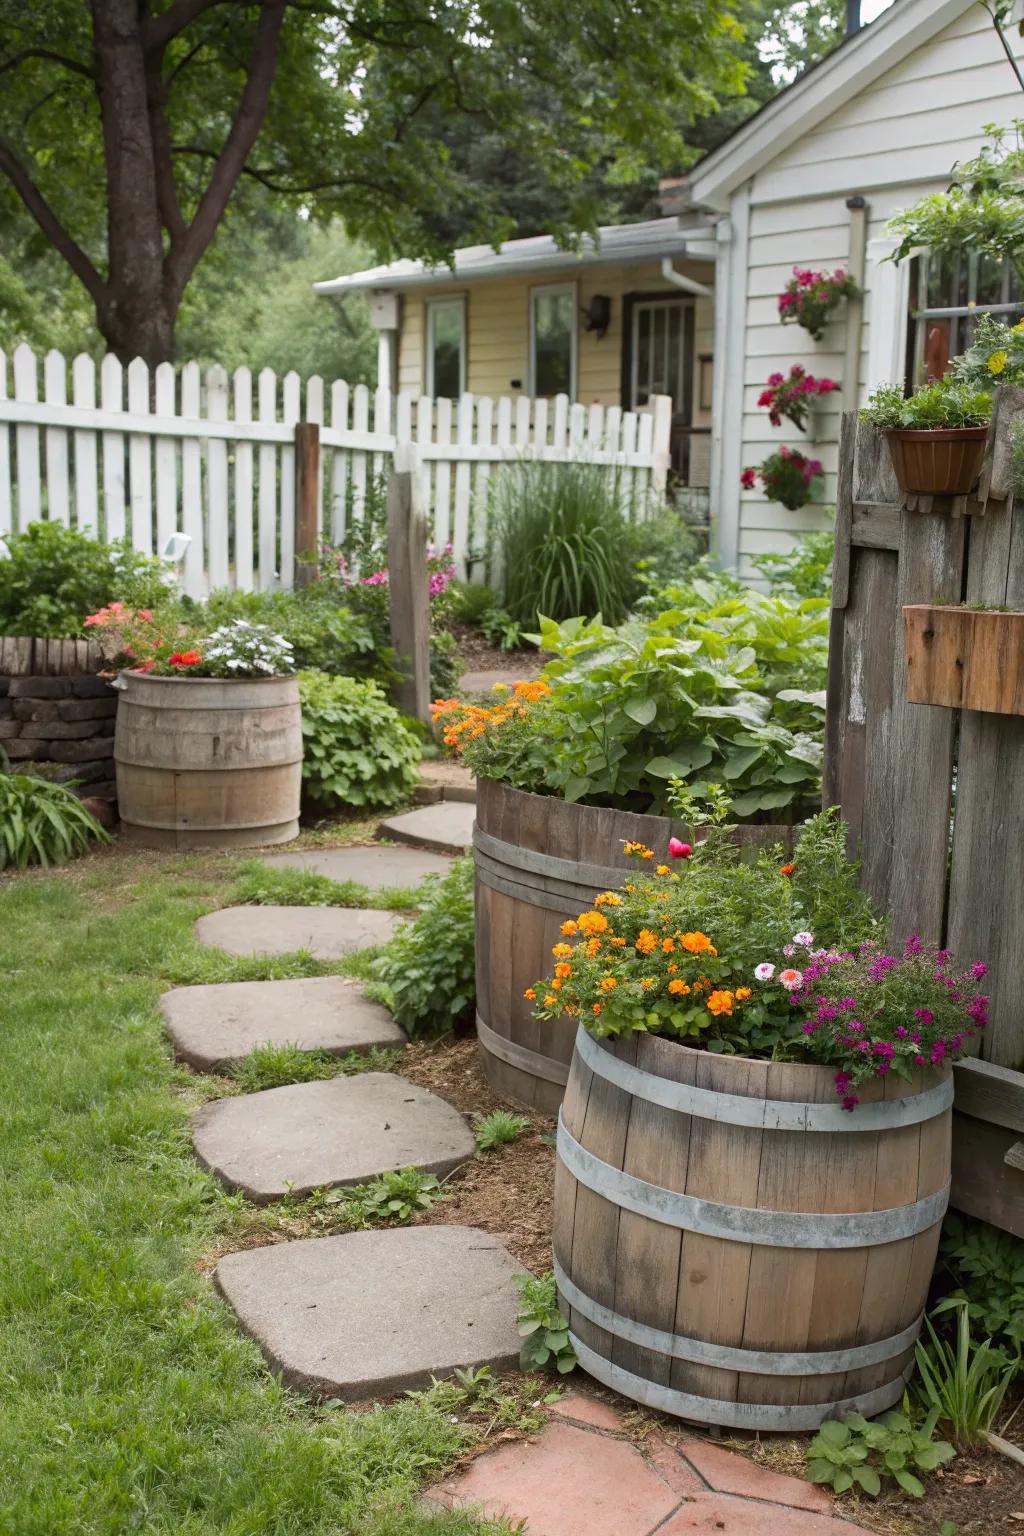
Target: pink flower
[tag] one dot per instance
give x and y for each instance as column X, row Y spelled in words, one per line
column 765, row 971
column 679, row 850
column 748, row 479
column 790, row 978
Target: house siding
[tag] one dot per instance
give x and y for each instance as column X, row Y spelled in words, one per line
column 891, row 144
column 498, row 328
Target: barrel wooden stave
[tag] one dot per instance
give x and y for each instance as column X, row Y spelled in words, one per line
column 209, row 762
column 739, row 1294
column 515, row 933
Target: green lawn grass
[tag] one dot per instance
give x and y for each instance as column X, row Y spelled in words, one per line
column 129, row 1401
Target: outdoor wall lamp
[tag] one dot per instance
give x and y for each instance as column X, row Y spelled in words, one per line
column 597, row 314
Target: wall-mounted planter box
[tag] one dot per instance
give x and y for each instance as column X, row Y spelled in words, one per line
column 965, row 658
column 938, row 463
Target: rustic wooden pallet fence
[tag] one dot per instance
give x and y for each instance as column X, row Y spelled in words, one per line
column 121, row 452
column 934, row 795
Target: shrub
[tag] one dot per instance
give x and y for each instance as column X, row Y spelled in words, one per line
column 469, row 602
column 944, row 404
column 446, row 665
column 987, row 1266
column 54, row 576
column 357, row 750
column 41, row 822
column 560, row 530
column 322, row 630
column 428, row 968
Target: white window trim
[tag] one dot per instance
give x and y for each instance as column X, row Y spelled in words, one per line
column 555, row 288
column 449, row 300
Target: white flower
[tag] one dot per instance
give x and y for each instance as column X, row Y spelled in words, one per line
column 804, row 939
column 791, row 979
column 765, row 971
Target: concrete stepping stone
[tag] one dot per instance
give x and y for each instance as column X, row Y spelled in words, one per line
column 216, row 1026
column 376, row 866
column 444, row 828
column 369, row 1314
column 441, row 779
column 343, row 1130
column 328, row 933
column 476, row 683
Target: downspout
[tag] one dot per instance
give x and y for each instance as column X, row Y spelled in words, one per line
column 688, row 284
column 849, row 396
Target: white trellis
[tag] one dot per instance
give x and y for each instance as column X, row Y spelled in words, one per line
column 213, row 457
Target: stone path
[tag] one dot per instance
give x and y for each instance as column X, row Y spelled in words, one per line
column 368, row 1314
column 476, row 683
column 336, row 1131
column 376, row 867
column 441, row 779
column 581, row 1476
column 328, row 933
column 445, row 828
column 212, row 1027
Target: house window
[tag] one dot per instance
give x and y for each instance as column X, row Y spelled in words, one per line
column 446, row 348
column 948, row 291
column 553, row 340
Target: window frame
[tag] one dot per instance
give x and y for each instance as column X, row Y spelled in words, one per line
column 918, row 315
column 539, row 290
column 450, row 301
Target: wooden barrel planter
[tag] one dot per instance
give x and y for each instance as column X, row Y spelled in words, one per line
column 205, row 762
column 540, row 860
column 733, row 1247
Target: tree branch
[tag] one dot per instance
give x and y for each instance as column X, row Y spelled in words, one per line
column 228, row 167
column 45, row 53
column 158, row 31
column 266, row 176
column 163, row 164
column 50, row 225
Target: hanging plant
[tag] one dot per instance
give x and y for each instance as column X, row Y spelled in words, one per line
column 787, row 476
column 810, row 297
column 790, row 397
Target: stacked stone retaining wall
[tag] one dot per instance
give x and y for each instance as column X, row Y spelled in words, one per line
column 57, row 713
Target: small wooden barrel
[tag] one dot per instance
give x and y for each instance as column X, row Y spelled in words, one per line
column 731, row 1245
column 206, row 762
column 540, row 860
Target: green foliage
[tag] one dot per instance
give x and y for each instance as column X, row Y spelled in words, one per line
column 983, row 209
column 357, row 750
column 542, row 1327
column 988, row 1266
column 41, row 822
column 274, row 1066
column 393, row 1199
column 323, row 631
column 963, row 1383
column 858, row 1453
column 995, row 355
column 428, row 968
column 446, row 665
column 806, row 571
column 55, row 576
column 826, row 886
column 499, row 1128
column 470, row 602
column 560, row 529
column 499, row 628
column 264, row 885
column 946, row 403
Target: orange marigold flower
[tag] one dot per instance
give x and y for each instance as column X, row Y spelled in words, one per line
column 647, row 982
column 597, row 1008
column 787, row 869
column 641, row 848
column 616, row 941
column 556, row 986
column 562, row 951
column 591, row 923
column 593, row 948
column 673, row 968
column 646, row 941
column 697, row 943
column 608, row 983
column 720, row 1002
column 662, row 869
column 608, row 899
column 678, row 987
column 563, row 969
column 550, row 1000
column 668, row 945
column 569, row 928
column 532, row 691
column 742, row 993
column 530, row 994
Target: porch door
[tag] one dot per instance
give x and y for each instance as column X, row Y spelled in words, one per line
column 662, row 364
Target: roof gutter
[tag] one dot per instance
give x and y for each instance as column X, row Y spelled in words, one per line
column 688, row 284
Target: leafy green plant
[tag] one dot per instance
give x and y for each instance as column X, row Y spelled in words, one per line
column 963, row 1383
column 42, row 822
column 53, row 576
column 393, row 1199
column 859, row 1452
column 499, row 1128
column 274, row 1066
column 543, row 1328
column 357, row 750
column 446, row 664
column 560, row 530
column 500, row 629
column 945, row 403
column 806, row 571
column 470, row 602
column 428, row 968
column 988, row 1266
column 262, row 885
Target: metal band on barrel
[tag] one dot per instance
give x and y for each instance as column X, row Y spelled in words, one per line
column 756, row 1362
column 760, row 1114
column 748, row 1224
column 521, row 1056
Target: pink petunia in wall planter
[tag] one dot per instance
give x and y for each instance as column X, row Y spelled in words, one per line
column 789, row 397
column 787, row 476
column 809, row 298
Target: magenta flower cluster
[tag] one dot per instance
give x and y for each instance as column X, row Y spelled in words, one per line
column 440, row 569
column 810, row 297
column 788, row 396
column 786, row 475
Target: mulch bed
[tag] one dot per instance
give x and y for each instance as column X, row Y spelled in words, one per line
column 480, row 656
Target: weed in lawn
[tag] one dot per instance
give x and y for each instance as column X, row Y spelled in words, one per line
column 393, row 1199
column 274, row 1066
column 476, row 1396
column 260, row 885
column 543, row 1328
column 498, row 1128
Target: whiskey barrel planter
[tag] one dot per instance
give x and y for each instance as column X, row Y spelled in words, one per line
column 540, row 860
column 733, row 1247
column 206, row 762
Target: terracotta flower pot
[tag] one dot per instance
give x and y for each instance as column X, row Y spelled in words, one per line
column 942, row 462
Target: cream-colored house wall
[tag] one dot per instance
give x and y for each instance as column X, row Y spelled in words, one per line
column 498, row 329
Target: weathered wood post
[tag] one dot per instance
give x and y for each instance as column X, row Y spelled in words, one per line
column 307, row 482
column 407, row 580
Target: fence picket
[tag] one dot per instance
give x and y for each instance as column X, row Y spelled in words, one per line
column 443, row 476
column 339, row 461
column 166, row 459
column 267, row 409
column 193, row 571
column 6, row 518
column 55, row 391
column 218, row 531
column 315, row 412
column 83, row 395
column 140, row 465
column 424, row 439
column 360, row 424
column 522, row 423
column 112, row 402
column 26, row 441
column 242, row 411
column 291, row 412
column 464, row 439
column 560, row 424
column 478, row 510
column 577, row 426
column 540, row 427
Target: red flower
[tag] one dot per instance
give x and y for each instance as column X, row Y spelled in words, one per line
column 789, row 870
column 184, row 659
column 748, row 479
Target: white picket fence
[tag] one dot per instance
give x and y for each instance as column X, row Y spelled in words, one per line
column 195, row 452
